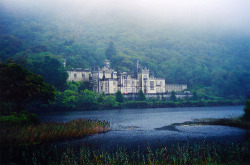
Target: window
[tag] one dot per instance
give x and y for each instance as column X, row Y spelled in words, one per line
column 129, row 90
column 151, row 85
column 75, row 75
column 83, row 75
column 114, row 83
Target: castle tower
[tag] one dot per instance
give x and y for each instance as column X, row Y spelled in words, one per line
column 136, row 68
column 143, row 77
column 107, row 64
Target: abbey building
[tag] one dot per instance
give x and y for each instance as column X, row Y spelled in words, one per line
column 107, row 80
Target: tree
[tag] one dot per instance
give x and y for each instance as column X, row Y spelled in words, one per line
column 52, row 71
column 111, row 102
column 172, row 96
column 141, row 95
column 88, row 100
column 119, row 97
column 18, row 87
column 111, row 51
column 247, row 110
column 195, row 97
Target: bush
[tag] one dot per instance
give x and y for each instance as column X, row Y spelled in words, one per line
column 136, row 104
column 141, row 96
column 19, row 119
column 247, row 111
column 119, row 97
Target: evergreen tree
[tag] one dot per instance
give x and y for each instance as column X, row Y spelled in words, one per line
column 172, row 96
column 119, row 97
column 111, row 51
column 141, row 95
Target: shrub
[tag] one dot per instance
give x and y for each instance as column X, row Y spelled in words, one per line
column 247, row 111
column 19, row 119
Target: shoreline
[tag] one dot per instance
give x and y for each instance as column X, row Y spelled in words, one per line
column 230, row 122
column 146, row 104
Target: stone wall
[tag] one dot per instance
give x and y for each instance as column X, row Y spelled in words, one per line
column 175, row 87
column 79, row 75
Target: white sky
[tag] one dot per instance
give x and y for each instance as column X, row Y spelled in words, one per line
column 226, row 13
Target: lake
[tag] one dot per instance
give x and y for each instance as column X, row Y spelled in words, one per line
column 146, row 127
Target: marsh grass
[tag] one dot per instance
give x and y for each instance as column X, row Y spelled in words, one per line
column 231, row 122
column 47, row 132
column 183, row 154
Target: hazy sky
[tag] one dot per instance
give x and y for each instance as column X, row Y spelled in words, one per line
column 232, row 14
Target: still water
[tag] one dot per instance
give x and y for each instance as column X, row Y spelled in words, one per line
column 146, row 127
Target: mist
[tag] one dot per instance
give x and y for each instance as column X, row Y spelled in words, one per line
column 216, row 15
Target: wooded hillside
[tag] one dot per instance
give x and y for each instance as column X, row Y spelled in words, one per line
column 210, row 61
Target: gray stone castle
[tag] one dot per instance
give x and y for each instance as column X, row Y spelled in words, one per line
column 107, row 80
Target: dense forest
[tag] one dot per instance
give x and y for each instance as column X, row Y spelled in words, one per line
column 210, row 61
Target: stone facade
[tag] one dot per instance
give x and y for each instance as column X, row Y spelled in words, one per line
column 108, row 81
column 79, row 74
column 175, row 87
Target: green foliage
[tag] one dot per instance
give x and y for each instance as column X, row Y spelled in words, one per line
column 19, row 119
column 51, row 69
column 111, row 51
column 183, row 153
column 119, row 97
column 135, row 104
column 141, row 95
column 75, row 86
column 76, row 98
column 20, row 87
column 209, row 62
column 172, row 96
column 195, row 97
column 232, row 122
column 247, row 110
column 88, row 100
column 111, row 102
column 67, row 98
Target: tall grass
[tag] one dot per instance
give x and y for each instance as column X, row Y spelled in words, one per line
column 232, row 122
column 46, row 132
column 183, row 154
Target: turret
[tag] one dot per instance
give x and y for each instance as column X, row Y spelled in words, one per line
column 107, row 63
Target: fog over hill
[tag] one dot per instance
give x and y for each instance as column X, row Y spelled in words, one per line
column 205, row 44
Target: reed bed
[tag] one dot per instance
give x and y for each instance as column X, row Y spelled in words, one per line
column 179, row 154
column 231, row 122
column 47, row 132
